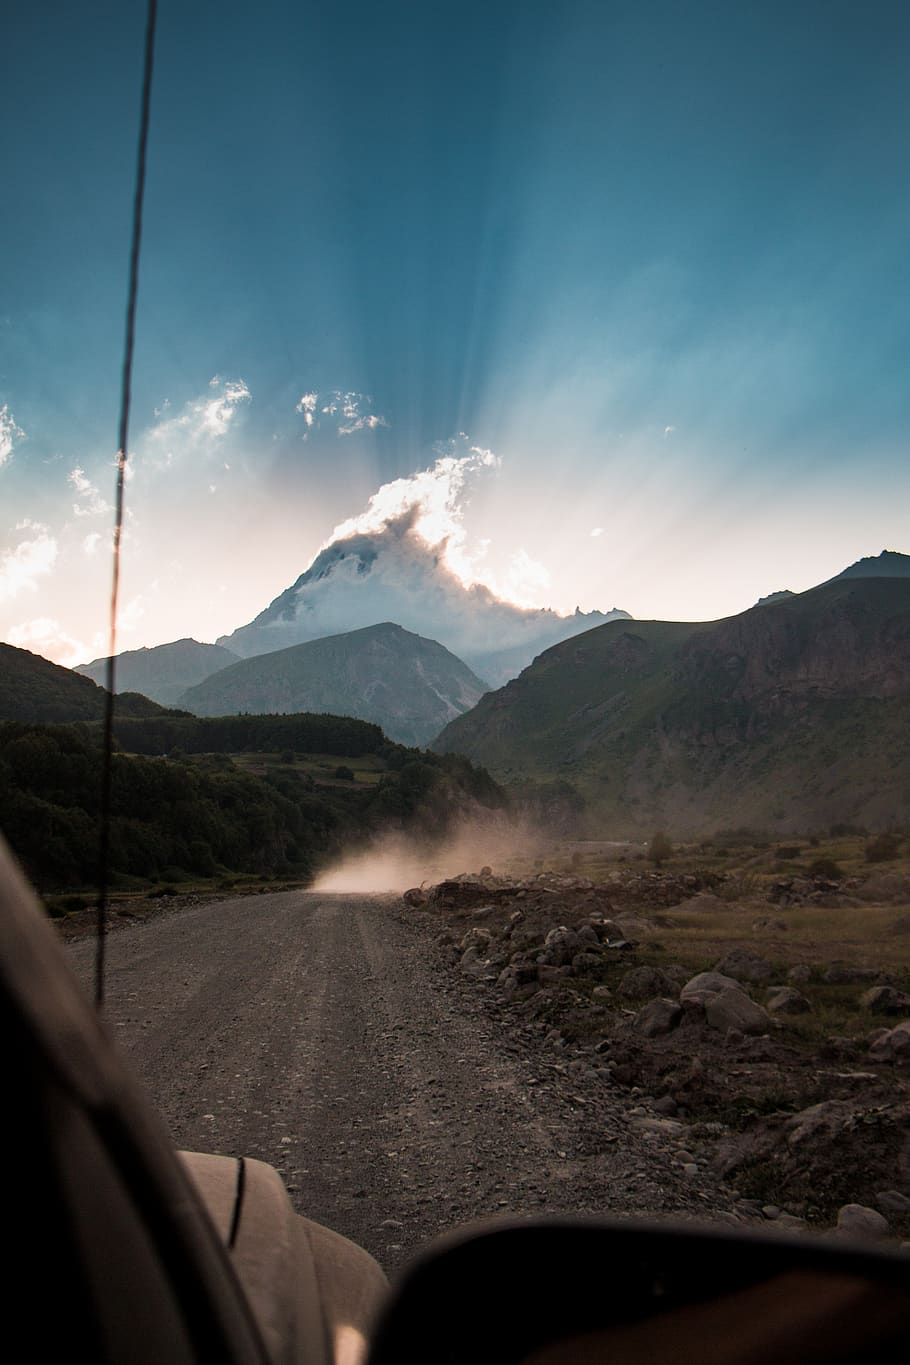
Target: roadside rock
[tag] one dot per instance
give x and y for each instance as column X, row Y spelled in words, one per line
column 787, row 1000
column 893, row 1203
column 855, row 1220
column 885, row 1000
column 657, row 1018
column 476, row 938
column 698, row 988
column 892, row 1046
column 559, row 947
column 732, row 1009
column 839, row 974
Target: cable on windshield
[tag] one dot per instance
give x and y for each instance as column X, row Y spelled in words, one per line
column 123, row 432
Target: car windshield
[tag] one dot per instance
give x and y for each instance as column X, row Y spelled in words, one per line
column 510, row 780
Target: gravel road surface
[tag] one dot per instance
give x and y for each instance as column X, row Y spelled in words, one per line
column 318, row 1033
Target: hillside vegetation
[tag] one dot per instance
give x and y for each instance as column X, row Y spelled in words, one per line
column 206, row 816
column 791, row 715
column 34, row 689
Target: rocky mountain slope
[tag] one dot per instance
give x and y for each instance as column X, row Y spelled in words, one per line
column 394, row 575
column 409, row 685
column 32, row 689
column 163, row 672
column 792, row 714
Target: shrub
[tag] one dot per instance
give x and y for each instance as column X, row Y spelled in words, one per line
column 787, row 851
column 344, row 772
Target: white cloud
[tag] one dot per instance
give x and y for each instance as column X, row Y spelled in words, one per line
column 668, row 430
column 91, row 541
column 525, row 580
column 307, row 406
column 206, row 418
column 432, row 501
column 597, row 530
column 47, row 637
column 10, row 433
column 91, row 503
column 29, row 560
column 349, row 405
column 354, row 419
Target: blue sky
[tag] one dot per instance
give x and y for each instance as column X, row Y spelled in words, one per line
column 653, row 256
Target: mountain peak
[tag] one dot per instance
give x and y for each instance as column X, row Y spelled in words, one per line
column 393, row 575
column 888, row 564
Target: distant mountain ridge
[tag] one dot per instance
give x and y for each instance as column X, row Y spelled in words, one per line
column 888, row 564
column 409, row 685
column 162, row 672
column 792, row 714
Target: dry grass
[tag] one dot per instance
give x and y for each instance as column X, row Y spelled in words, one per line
column 861, row 936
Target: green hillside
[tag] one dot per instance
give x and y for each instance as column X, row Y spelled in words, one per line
column 792, row 714
column 207, row 815
column 34, row 689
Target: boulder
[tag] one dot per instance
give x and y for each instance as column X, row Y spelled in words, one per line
column 733, row 1009
column 643, row 981
column 698, row 988
column 477, row 938
column 885, row 1000
column 633, row 926
column 744, row 965
column 893, row 1203
column 839, row 974
column 799, row 975
column 787, row 1000
column 856, row 1220
column 893, row 1046
column 658, row 1017
column 473, row 963
column 560, row 946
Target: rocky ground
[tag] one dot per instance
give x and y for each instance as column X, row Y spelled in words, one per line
column 782, row 1093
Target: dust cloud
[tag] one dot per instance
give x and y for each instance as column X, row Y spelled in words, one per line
column 394, row 862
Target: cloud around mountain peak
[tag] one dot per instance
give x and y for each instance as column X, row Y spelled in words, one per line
column 406, row 559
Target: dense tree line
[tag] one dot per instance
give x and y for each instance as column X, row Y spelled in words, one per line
column 305, row 733
column 179, row 817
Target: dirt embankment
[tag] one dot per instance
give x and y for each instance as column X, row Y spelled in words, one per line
column 754, row 1040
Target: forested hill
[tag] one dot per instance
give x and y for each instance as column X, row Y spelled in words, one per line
column 184, row 817
column 34, row 689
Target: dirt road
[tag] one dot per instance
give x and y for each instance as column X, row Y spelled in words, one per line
column 313, row 1031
